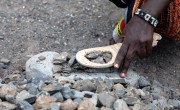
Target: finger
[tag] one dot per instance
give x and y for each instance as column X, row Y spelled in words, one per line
column 141, row 52
column 129, row 57
column 121, row 55
column 149, row 48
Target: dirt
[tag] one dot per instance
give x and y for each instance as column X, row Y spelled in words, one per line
column 29, row 27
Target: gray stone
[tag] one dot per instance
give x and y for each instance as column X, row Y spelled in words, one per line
column 36, row 68
column 174, row 103
column 132, row 78
column 106, row 99
column 5, row 61
column 84, row 85
column 57, row 69
column 86, row 105
column 120, row 105
column 109, row 83
column 72, row 61
column 1, row 37
column 2, row 66
column 24, row 105
column 67, row 92
column 60, row 58
column 93, row 97
column 23, row 95
column 131, row 100
column 8, row 90
column 77, row 94
column 58, row 96
column 121, row 81
column 143, row 82
column 93, row 55
column 107, row 57
column 120, row 93
column 33, row 90
column 42, row 58
column 55, row 106
column 98, row 60
column 78, row 100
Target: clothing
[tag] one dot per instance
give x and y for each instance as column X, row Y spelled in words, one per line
column 169, row 20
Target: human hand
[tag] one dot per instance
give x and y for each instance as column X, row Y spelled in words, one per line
column 138, row 38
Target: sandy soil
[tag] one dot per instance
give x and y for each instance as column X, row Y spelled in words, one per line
column 31, row 26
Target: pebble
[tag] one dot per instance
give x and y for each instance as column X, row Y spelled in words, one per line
column 118, row 87
column 120, row 105
column 5, row 61
column 58, row 96
column 57, row 69
column 86, row 105
column 9, row 90
column 68, row 105
column 23, row 95
column 131, row 100
column 40, row 69
column 55, row 106
column 78, row 100
column 44, row 101
column 109, row 83
column 77, row 94
column 105, row 108
column 93, row 55
column 72, row 61
column 7, row 106
column 98, row 60
column 143, row 82
column 33, row 90
column 106, row 99
column 61, row 58
column 24, row 105
column 2, row 66
column 67, row 92
column 41, row 57
column 84, row 85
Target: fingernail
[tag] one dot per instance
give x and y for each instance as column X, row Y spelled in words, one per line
column 116, row 66
column 123, row 75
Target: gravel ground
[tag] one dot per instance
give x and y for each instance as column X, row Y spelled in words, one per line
column 31, row 26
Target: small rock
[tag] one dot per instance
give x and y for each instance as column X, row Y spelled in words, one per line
column 76, row 94
column 31, row 100
column 5, row 61
column 120, row 105
column 120, row 93
column 118, row 87
column 121, row 81
column 2, row 66
column 58, row 96
column 93, row 97
column 23, row 95
column 106, row 99
column 57, row 69
column 84, row 85
column 152, row 69
column 36, row 68
column 67, row 92
column 78, row 100
column 68, row 105
column 98, row 60
column 143, row 82
column 12, row 77
column 138, row 107
column 41, row 57
column 86, row 105
column 174, row 103
column 132, row 78
column 55, row 106
column 61, row 58
column 7, row 106
column 72, row 61
column 109, row 83
column 131, row 100
column 51, row 88
column 44, row 101
column 24, row 105
column 93, row 55
column 8, row 90
column 33, row 90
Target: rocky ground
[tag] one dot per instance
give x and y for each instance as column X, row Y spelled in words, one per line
column 31, row 27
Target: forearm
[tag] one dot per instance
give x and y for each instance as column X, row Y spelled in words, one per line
column 155, row 7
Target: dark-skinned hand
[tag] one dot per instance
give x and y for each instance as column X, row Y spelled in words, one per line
column 138, row 38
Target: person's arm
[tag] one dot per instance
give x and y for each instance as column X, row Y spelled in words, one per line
column 138, row 36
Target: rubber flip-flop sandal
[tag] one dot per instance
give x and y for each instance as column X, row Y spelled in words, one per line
column 113, row 49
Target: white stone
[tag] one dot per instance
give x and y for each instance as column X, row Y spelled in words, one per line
column 120, row 105
column 38, row 68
